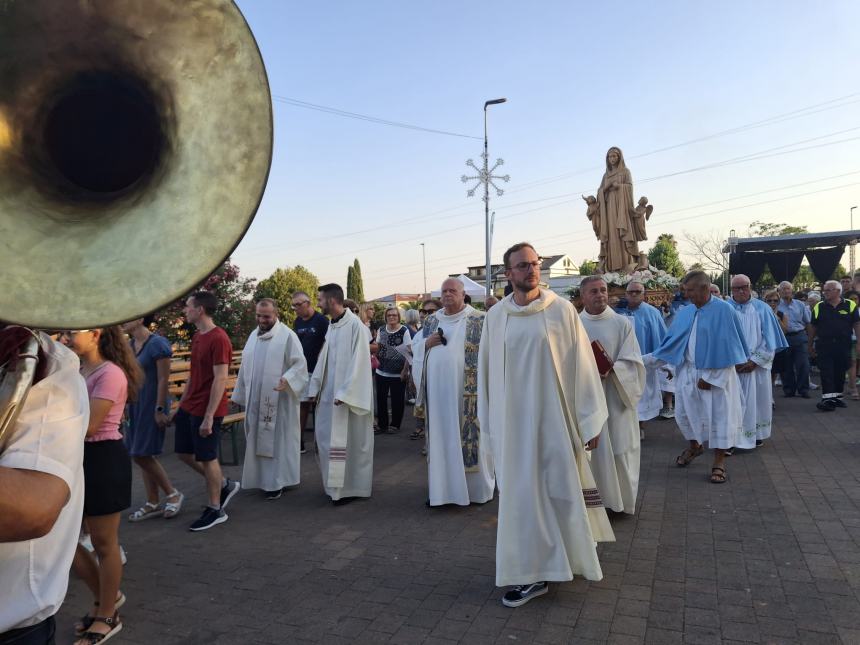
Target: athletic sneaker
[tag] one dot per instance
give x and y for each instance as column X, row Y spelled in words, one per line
column 274, row 494
column 778, row 381
column 837, row 402
column 210, row 518
column 521, row 594
column 228, row 491
column 825, row 405
column 667, row 413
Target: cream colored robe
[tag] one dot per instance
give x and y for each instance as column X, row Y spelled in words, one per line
column 272, row 433
column 441, row 382
column 540, row 400
column 344, row 433
column 615, row 462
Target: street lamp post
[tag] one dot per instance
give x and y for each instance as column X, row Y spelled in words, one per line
column 853, row 244
column 485, row 176
column 424, row 262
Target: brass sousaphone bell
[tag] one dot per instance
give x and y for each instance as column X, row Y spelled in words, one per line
column 135, row 145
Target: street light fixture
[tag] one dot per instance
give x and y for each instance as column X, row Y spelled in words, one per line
column 485, row 176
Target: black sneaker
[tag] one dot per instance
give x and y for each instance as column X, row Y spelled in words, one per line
column 228, row 491
column 839, row 403
column 825, row 406
column 274, row 494
column 210, row 518
column 521, row 594
column 758, row 442
column 729, row 451
column 302, row 450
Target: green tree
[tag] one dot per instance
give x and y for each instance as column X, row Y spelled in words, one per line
column 235, row 307
column 664, row 255
column 350, row 283
column 281, row 285
column 588, row 267
column 358, row 283
column 766, row 229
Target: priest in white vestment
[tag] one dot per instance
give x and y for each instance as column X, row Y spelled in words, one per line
column 445, row 364
column 764, row 338
column 343, row 389
column 615, row 461
column 271, row 381
column 650, row 330
column 705, row 343
column 541, row 407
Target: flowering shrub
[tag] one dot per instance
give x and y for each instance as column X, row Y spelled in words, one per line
column 652, row 279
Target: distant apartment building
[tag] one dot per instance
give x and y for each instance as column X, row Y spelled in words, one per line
column 557, row 273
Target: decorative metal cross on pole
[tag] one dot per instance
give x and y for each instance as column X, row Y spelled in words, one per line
column 485, row 176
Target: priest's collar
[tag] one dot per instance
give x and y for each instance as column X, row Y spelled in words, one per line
column 606, row 313
column 339, row 318
column 537, row 305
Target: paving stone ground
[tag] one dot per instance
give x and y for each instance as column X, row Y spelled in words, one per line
column 773, row 556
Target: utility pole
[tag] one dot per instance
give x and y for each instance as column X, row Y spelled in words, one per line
column 485, row 176
column 852, row 244
column 424, row 261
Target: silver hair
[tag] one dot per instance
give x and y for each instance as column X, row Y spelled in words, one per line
column 592, row 278
column 835, row 283
column 813, row 294
column 639, row 282
column 784, row 283
column 411, row 317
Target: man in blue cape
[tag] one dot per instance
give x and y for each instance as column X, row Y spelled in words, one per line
column 764, row 339
column 650, row 331
column 705, row 343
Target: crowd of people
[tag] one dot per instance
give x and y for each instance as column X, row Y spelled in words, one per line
column 529, row 397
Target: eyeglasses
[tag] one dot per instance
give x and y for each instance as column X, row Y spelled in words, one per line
column 296, row 305
column 635, row 291
column 523, row 266
column 743, row 287
column 427, row 312
column 70, row 333
column 772, row 301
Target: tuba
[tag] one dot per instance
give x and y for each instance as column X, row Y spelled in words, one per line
column 135, row 146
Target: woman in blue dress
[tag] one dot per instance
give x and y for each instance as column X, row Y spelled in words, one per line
column 148, row 418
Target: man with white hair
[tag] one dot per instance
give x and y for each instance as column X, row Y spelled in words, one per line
column 795, row 374
column 705, row 343
column 764, row 338
column 833, row 320
column 615, row 460
column 445, row 367
column 650, row 330
column 715, row 291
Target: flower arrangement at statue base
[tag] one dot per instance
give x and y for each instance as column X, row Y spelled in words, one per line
column 660, row 286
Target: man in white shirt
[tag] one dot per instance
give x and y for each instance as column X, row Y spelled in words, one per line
column 42, row 484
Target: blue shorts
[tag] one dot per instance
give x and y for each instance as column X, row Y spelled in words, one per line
column 188, row 441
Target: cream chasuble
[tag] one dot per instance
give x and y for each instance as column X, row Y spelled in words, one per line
column 540, row 400
column 272, row 431
column 441, row 393
column 615, row 461
column 344, row 433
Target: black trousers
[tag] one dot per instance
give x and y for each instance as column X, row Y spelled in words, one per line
column 834, row 357
column 39, row 634
column 397, row 388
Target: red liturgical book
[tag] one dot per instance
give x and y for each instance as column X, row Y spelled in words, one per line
column 604, row 363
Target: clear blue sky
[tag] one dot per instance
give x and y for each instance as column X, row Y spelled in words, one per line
column 578, row 79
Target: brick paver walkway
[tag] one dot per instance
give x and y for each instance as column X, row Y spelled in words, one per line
column 773, row 556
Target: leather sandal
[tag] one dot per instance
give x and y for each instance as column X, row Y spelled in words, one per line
column 86, row 621
column 687, row 457
column 92, row 638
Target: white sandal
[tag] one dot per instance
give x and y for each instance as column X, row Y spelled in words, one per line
column 171, row 509
column 145, row 512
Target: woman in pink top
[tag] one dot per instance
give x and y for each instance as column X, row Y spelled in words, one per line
column 113, row 377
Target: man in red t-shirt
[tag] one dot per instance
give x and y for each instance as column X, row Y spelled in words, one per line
column 203, row 406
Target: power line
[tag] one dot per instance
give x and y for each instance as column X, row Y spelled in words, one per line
column 364, row 117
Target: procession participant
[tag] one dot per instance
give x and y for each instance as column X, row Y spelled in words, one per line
column 704, row 343
column 795, row 375
column 42, row 479
column 203, row 406
column 342, row 385
column 833, row 321
column 764, row 339
column 113, row 376
column 650, row 330
column 459, row 464
column 310, row 326
column 147, row 419
column 615, row 461
column 272, row 379
column 541, row 406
